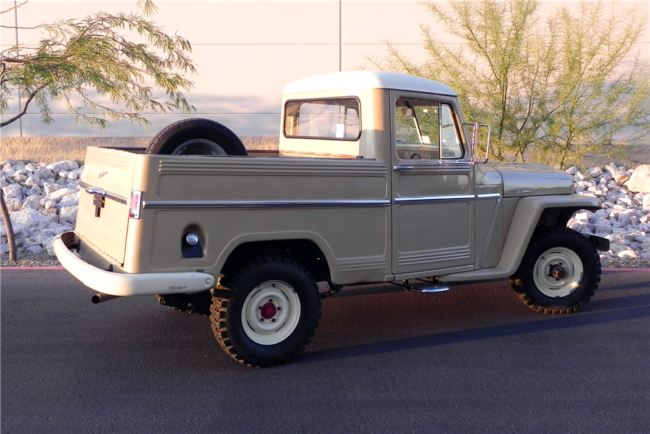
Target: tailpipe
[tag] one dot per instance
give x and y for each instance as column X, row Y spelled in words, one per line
column 100, row 298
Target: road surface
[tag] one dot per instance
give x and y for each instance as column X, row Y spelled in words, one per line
column 472, row 360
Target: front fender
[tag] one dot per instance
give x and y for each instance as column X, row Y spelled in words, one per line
column 530, row 212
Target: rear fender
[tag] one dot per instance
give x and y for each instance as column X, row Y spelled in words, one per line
column 261, row 238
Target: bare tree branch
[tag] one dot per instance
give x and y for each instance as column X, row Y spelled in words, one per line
column 24, row 110
column 12, row 8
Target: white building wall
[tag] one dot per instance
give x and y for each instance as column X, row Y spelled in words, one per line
column 246, row 51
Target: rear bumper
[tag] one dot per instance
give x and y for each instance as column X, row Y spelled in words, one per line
column 120, row 284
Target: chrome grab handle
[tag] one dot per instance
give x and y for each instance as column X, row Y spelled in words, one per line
column 475, row 128
column 398, row 168
column 104, row 193
column 96, row 191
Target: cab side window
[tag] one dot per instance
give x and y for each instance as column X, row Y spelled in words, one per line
column 426, row 130
column 451, row 146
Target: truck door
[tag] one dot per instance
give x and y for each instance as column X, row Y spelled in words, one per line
column 432, row 186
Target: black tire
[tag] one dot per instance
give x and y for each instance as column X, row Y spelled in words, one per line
column 196, row 137
column 559, row 272
column 266, row 285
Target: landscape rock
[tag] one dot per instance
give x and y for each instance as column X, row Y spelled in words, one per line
column 640, row 180
column 595, row 171
column 617, row 174
column 34, row 191
column 32, row 180
column 60, row 166
column 13, row 204
column 32, row 202
column 50, row 187
column 572, row 170
column 13, row 190
column 68, row 214
column 30, row 218
column 60, row 193
column 34, row 250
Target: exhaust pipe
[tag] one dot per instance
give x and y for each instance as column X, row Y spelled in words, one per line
column 100, row 298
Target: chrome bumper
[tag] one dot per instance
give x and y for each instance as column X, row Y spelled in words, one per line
column 119, row 284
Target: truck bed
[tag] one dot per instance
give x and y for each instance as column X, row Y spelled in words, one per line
column 340, row 205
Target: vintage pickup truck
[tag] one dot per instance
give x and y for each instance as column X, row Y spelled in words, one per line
column 377, row 179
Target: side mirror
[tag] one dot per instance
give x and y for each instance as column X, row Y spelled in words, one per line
column 475, row 129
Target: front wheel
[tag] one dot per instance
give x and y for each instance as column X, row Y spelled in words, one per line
column 559, row 273
column 271, row 312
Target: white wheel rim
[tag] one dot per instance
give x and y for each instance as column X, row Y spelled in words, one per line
column 558, row 272
column 270, row 312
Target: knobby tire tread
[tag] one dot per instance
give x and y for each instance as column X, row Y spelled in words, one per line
column 220, row 307
column 543, row 234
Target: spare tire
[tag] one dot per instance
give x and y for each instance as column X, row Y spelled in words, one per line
column 196, row 137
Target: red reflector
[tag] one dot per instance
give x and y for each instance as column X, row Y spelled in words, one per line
column 135, row 204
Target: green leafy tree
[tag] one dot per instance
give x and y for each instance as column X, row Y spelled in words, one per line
column 601, row 89
column 101, row 68
column 554, row 89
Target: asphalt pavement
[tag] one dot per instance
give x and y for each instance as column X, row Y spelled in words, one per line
column 472, row 360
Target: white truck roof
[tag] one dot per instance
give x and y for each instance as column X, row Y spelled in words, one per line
column 366, row 80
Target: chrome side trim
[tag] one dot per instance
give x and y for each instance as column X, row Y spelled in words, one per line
column 489, row 235
column 115, row 197
column 432, row 199
column 437, row 163
column 274, row 204
column 455, row 163
column 215, row 204
column 488, row 196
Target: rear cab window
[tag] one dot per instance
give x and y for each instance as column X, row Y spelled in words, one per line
column 330, row 119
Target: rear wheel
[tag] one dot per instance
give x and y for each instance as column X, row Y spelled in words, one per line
column 196, row 137
column 271, row 312
column 559, row 273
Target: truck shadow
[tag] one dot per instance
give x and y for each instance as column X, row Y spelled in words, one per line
column 384, row 321
column 358, row 322
column 605, row 311
column 384, row 318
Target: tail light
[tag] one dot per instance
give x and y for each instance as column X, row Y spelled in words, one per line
column 135, row 204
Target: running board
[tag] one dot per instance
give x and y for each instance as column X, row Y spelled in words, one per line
column 431, row 289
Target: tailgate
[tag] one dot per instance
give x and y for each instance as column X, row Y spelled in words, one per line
column 103, row 215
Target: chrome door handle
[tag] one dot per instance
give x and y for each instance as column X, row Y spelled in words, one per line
column 398, row 168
